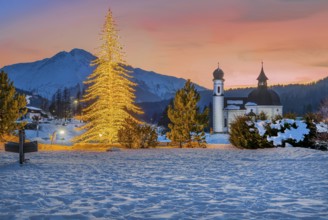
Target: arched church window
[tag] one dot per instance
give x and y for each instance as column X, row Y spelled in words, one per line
column 219, row 89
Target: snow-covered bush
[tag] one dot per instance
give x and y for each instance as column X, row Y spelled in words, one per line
column 311, row 120
column 321, row 139
column 289, row 115
column 245, row 134
column 249, row 134
column 293, row 132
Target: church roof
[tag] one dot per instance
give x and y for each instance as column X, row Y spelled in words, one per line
column 234, row 103
column 259, row 96
column 264, row 96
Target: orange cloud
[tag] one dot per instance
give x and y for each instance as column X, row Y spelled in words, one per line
column 183, row 38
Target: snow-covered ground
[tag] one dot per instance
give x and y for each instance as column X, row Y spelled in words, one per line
column 217, row 138
column 279, row 183
column 62, row 131
column 65, row 133
column 210, row 138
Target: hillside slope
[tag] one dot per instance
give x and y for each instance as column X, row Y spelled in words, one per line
column 67, row 69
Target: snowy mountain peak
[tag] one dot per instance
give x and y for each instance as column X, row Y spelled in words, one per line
column 78, row 53
column 60, row 55
column 67, row 69
column 44, row 77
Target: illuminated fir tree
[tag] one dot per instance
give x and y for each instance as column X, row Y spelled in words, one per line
column 110, row 93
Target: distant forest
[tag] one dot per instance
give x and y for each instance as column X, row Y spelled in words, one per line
column 296, row 98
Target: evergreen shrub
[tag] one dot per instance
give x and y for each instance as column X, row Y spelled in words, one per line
column 134, row 135
column 244, row 134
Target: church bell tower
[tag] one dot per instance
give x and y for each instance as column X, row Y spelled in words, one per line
column 218, row 101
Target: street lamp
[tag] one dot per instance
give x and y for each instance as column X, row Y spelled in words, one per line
column 252, row 115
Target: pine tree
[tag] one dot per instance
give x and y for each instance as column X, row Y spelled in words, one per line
column 12, row 106
column 52, row 107
column 110, row 91
column 59, row 104
column 187, row 123
column 67, row 111
column 77, row 101
column 199, row 127
column 164, row 118
column 323, row 109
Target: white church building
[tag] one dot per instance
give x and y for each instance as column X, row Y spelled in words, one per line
column 226, row 109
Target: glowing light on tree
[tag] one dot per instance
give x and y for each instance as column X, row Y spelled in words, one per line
column 110, row 91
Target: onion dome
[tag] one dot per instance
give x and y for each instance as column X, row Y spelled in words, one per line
column 218, row 74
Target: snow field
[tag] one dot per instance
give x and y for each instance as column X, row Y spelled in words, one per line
column 64, row 133
column 280, row 183
column 70, row 131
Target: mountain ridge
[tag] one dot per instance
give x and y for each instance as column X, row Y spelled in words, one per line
column 67, row 69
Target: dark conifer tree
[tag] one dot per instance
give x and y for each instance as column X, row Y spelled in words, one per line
column 67, row 111
column 187, row 123
column 52, row 107
column 44, row 104
column 12, row 106
column 323, row 109
column 202, row 122
column 164, row 118
column 77, row 101
column 59, row 104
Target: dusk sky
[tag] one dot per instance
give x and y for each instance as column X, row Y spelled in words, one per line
column 182, row 38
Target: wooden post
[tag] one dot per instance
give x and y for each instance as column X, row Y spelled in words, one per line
column 21, row 146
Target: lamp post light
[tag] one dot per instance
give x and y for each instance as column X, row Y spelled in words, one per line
column 252, row 115
column 62, row 132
